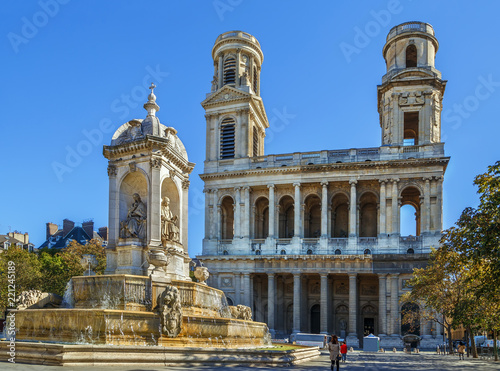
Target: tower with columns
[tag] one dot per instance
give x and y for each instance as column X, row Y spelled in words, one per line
column 312, row 241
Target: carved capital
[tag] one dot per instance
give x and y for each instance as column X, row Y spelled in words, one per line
column 112, row 170
column 271, row 186
column 395, row 180
column 185, row 184
column 324, row 184
column 296, row 185
column 155, row 162
column 353, row 182
column 382, row 181
column 132, row 166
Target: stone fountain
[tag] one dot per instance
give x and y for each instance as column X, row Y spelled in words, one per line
column 146, row 296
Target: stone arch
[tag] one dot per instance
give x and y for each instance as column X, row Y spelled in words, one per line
column 340, row 215
column 315, row 318
column 227, row 218
column 411, row 56
column 410, row 197
column 312, row 216
column 261, row 218
column 229, row 69
column 368, row 218
column 342, row 320
column 369, row 316
column 286, row 216
column 132, row 182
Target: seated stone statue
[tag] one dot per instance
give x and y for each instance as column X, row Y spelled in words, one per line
column 135, row 224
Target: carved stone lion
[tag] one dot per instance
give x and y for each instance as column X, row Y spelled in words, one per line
column 169, row 309
column 241, row 312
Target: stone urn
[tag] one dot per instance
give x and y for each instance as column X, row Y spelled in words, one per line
column 89, row 263
column 201, row 274
column 158, row 258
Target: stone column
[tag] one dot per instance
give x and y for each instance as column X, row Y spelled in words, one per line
column 246, row 215
column 208, row 211
column 215, row 220
column 272, row 208
column 324, row 304
column 154, row 205
column 439, row 215
column 219, row 221
column 395, row 208
column 382, row 304
column 297, row 211
column 395, row 328
column 215, row 138
column 296, row 302
column 383, row 207
column 237, row 213
column 221, row 70
column 324, row 209
column 427, row 205
column 114, row 218
column 237, row 288
column 271, row 295
column 353, row 205
column 238, row 74
column 246, row 289
column 353, row 313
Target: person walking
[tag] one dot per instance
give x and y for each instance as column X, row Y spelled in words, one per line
column 461, row 351
column 343, row 351
column 334, row 348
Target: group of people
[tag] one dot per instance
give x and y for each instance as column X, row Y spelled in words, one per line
column 338, row 351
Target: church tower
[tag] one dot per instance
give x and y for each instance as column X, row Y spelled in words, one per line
column 409, row 99
column 235, row 114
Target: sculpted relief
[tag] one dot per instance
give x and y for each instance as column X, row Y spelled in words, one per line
column 135, row 223
column 170, row 311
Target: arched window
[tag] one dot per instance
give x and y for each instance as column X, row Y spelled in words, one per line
column 255, row 81
column 367, row 252
column 230, row 70
column 229, row 301
column 338, row 252
column 309, row 252
column 368, row 215
column 312, row 217
column 410, row 212
column 411, row 56
column 283, row 252
column 227, row 218
column 410, row 134
column 410, row 251
column 286, row 217
column 225, row 252
column 257, row 252
column 410, row 319
column 261, row 221
column 227, row 138
column 340, row 216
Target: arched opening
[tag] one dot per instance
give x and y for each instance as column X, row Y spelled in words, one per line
column 283, row 252
column 368, row 215
column 229, row 70
column 341, row 318
column 227, row 147
column 369, row 314
column 315, row 319
column 134, row 183
column 227, row 218
column 312, row 217
column 255, row 144
column 410, row 212
column 309, row 252
column 338, row 252
column 255, row 80
column 171, row 227
column 410, row 251
column 410, row 319
column 261, row 220
column 286, row 217
column 367, row 252
column 340, row 216
column 229, row 301
column 257, row 252
column 411, row 56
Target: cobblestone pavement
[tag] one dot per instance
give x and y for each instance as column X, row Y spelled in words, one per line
column 356, row 361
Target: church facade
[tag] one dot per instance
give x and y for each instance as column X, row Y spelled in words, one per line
column 311, row 241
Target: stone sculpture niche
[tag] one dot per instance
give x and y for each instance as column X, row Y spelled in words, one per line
column 169, row 223
column 168, row 307
column 135, row 223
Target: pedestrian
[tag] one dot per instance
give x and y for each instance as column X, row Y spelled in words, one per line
column 461, row 351
column 343, row 351
column 334, row 348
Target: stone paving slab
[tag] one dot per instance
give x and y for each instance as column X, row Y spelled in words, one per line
column 356, row 361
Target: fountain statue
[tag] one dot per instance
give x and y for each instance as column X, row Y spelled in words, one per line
column 146, row 296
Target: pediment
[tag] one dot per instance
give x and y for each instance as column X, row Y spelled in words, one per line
column 226, row 94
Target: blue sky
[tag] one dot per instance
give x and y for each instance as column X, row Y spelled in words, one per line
column 73, row 71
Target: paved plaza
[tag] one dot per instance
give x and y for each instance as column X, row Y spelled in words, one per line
column 356, row 361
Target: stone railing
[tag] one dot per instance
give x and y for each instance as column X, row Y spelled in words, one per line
column 240, row 34
column 410, row 27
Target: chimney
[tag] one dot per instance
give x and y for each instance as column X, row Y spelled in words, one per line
column 68, row 225
column 88, row 227
column 26, row 238
column 51, row 230
column 103, row 232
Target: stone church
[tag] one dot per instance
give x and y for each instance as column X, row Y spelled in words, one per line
column 311, row 241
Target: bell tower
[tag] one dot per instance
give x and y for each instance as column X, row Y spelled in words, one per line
column 410, row 97
column 235, row 114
